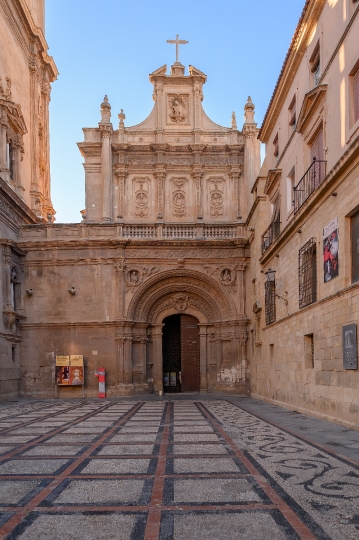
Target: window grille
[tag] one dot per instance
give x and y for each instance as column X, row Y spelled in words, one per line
column 307, row 271
column 270, row 302
column 356, row 95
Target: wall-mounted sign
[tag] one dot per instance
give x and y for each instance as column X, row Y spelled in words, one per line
column 331, row 250
column 350, row 358
column 70, row 370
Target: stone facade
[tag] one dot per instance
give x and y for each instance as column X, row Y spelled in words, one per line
column 180, row 220
column 297, row 359
column 163, row 233
column 26, row 72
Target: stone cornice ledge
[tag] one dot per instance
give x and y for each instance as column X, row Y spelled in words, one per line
column 348, row 156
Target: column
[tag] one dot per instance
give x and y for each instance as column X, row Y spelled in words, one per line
column 197, row 173
column 127, row 361
column 204, row 365
column 119, row 198
column 143, row 343
column 235, row 175
column 157, row 357
column 106, row 159
column 2, row 138
column 251, row 151
column 241, row 289
column 160, row 175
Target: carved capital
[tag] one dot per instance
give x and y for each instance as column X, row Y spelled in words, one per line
column 106, row 131
column 120, row 171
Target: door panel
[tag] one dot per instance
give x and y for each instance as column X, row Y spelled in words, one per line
column 190, row 354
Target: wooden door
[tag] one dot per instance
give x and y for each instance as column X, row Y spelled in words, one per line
column 171, row 354
column 190, row 354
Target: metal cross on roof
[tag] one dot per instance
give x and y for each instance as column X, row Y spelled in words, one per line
column 178, row 42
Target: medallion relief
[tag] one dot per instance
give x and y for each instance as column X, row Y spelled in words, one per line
column 178, row 197
column 178, row 108
column 136, row 275
column 141, row 189
column 216, row 204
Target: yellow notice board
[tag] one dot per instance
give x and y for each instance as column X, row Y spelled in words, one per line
column 62, row 360
column 70, row 370
column 76, row 360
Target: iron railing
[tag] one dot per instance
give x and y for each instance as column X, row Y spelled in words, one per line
column 270, row 234
column 311, row 180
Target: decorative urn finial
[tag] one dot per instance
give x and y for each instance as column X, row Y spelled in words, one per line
column 105, row 111
column 249, row 111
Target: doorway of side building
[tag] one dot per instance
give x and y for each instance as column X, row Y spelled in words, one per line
column 180, row 354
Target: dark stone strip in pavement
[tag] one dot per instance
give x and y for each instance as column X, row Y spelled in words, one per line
column 152, row 531
column 25, row 511
column 297, row 424
column 302, row 530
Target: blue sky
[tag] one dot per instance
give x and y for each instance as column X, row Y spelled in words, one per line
column 111, row 47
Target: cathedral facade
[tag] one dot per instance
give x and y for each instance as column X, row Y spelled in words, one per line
column 151, row 284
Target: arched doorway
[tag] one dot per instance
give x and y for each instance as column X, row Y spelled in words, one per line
column 181, row 354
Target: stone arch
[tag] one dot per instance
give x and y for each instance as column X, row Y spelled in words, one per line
column 202, row 291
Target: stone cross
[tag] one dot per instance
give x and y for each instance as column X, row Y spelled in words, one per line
column 178, row 42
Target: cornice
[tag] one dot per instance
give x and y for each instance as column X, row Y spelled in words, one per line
column 14, row 210
column 272, row 176
column 258, row 199
column 310, row 103
column 26, row 32
column 309, row 18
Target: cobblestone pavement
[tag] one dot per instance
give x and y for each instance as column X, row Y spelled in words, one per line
column 165, row 469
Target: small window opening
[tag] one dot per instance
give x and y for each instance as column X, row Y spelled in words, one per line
column 293, row 114
column 276, row 147
column 309, row 351
column 315, row 64
column 13, row 353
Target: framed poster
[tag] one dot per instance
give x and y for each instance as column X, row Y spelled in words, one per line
column 76, row 360
column 350, row 358
column 76, row 376
column 173, row 378
column 166, row 379
column 331, row 250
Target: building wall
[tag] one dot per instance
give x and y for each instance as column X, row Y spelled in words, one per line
column 281, row 366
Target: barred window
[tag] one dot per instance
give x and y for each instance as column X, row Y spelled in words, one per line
column 307, row 273
column 270, row 302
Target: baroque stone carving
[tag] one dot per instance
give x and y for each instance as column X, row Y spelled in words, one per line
column 178, row 107
column 216, row 188
column 179, row 197
column 227, row 276
column 141, row 188
column 5, row 92
column 135, row 275
column 180, row 302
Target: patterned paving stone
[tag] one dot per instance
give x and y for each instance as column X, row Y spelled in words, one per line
column 116, row 466
column 101, row 492
column 195, row 437
column 12, row 491
column 133, row 437
column 74, row 527
column 213, row 491
column 31, row 466
column 245, row 525
column 205, row 465
column 199, row 449
column 47, row 450
column 126, row 450
column 71, row 437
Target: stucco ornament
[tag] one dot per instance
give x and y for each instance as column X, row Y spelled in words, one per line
column 181, row 302
column 177, row 107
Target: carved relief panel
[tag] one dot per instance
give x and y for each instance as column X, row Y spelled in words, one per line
column 216, row 196
column 141, row 196
column 178, row 108
column 179, row 197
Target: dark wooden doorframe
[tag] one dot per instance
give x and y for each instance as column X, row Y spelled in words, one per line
column 181, row 354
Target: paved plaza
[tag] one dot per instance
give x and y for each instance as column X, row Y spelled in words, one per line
column 183, row 468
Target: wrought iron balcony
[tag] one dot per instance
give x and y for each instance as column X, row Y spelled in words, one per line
column 270, row 235
column 311, row 180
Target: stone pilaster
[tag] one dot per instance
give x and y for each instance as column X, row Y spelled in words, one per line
column 106, row 160
column 252, row 160
column 160, row 175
